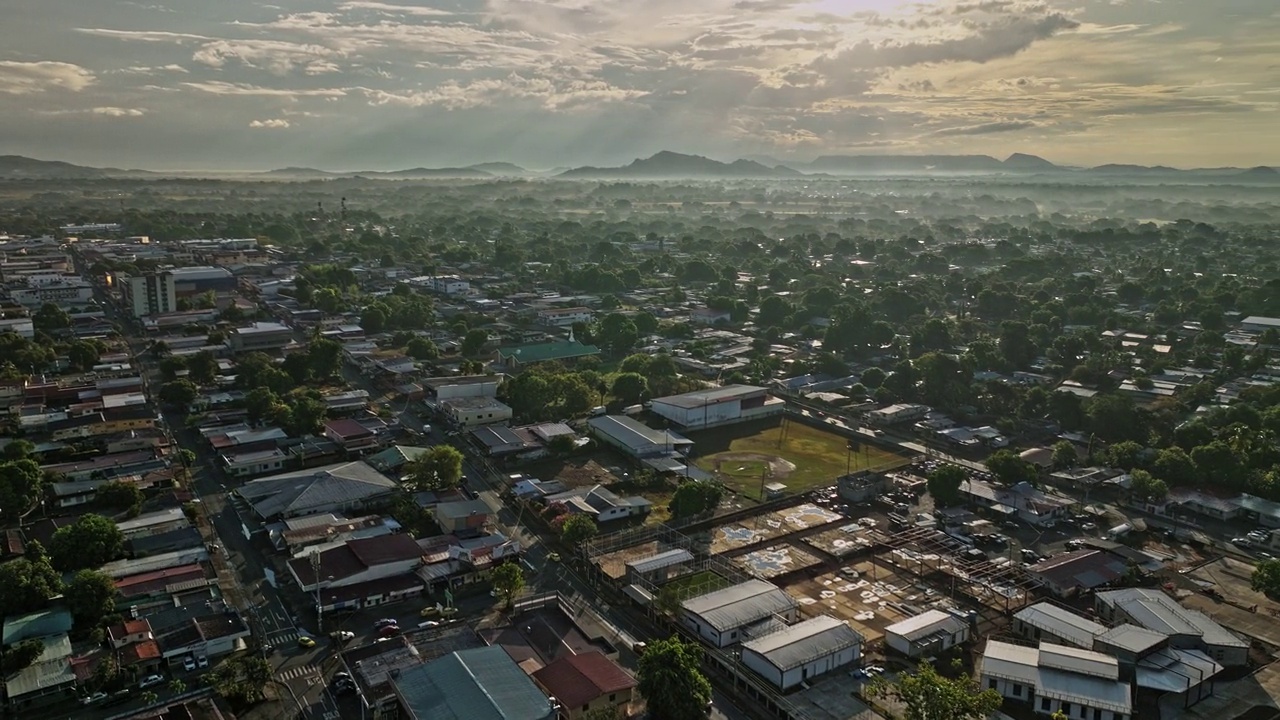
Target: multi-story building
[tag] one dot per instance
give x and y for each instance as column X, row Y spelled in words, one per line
column 150, row 294
column 260, row 336
column 564, row 317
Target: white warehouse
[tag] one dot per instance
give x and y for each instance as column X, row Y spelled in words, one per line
column 718, row 406
column 929, row 633
column 802, row 651
column 724, row 617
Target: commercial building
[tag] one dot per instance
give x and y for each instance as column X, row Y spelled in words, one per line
column 1186, row 628
column 473, row 684
column 448, row 388
column 585, row 682
column 928, row 633
column 802, row 651
column 1259, row 324
column 515, row 359
column 1069, row 573
column 150, row 294
column 718, row 406
column 260, row 337
column 331, row 488
column 1053, row 623
column 564, row 317
column 636, row 439
column 1056, row 678
column 475, row 411
column 352, row 436
column 197, row 280
column 726, row 616
column 897, row 414
column 357, row 561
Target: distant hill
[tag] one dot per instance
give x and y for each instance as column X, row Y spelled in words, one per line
column 298, row 172
column 499, row 168
column 1123, row 169
column 667, row 164
column 18, row 166
column 1262, row 172
column 899, row 164
column 421, row 173
column 1028, row 163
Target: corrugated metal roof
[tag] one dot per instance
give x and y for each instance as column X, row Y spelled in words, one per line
column 1061, row 623
column 299, row 491
column 798, row 644
column 51, row 669
column 926, row 624
column 476, row 684
column 1079, row 661
column 1131, row 637
column 739, row 605
column 633, row 434
column 1173, row 670
column 661, row 560
column 1025, row 665
column 699, row 398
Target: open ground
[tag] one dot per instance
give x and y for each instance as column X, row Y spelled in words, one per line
column 603, row 467
column 865, row 595
column 747, row 457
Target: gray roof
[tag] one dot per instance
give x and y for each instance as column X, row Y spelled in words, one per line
column 463, row 508
column 1131, row 638
column 1061, row 623
column 38, row 624
column 1057, row 678
column 739, row 605
column 633, row 433
column 52, row 669
column 698, row 398
column 1175, row 670
column 925, row 624
column 661, row 560
column 1154, row 610
column 817, row 637
column 315, row 489
column 475, row 684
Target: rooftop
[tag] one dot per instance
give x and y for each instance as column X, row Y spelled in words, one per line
column 1061, row 623
column 926, row 624
column 699, row 398
column 38, row 624
column 1083, row 568
column 633, row 433
column 577, row 680
column 302, row 490
column 543, row 352
column 800, row 643
column 1061, row 673
column 739, row 605
column 476, row 684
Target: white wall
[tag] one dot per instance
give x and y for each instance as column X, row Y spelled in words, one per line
column 797, row 675
column 1078, row 711
column 698, row 416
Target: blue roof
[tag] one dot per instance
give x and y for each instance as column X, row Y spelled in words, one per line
column 41, row 623
column 476, row 684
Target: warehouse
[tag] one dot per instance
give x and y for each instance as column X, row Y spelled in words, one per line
column 929, row 633
column 724, row 617
column 802, row 651
column 718, row 406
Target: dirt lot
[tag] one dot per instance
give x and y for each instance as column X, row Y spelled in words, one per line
column 861, row 600
column 1231, row 577
column 601, row 468
column 770, row 525
column 775, row 560
column 841, row 541
column 614, row 564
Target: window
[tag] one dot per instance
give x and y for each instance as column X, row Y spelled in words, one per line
column 614, row 698
column 991, row 683
column 1066, row 709
column 1044, row 704
column 586, row 708
column 1097, row 714
column 1017, row 690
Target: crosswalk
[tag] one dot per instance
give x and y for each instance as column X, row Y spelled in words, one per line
column 284, row 636
column 297, row 672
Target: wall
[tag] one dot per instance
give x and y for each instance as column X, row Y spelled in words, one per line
column 1043, row 706
column 797, row 675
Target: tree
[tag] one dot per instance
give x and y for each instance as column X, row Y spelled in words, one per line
column 325, row 357
column 203, row 367
column 695, row 496
column 259, row 403
column 578, row 529
column 508, row 580
column 20, row 656
column 49, row 318
column 1064, row 455
column 630, row 388
column 177, row 687
column 28, row 582
column 944, row 484
column 90, row 596
column 440, row 468
column 21, row 487
column 171, row 366
column 1125, row 455
column 1174, row 467
column 18, row 449
column 83, row 355
column 149, row 698
column 179, row 393
column 305, row 416
column 420, row 348
column 240, row 679
column 1266, row 578
column 91, row 541
column 671, row 680
column 926, row 695
column 1146, row 487
column 474, row 341
column 617, row 334
column 604, row 712
column 186, row 458
column 118, row 495
column 872, row 377
column 1009, row 469
column 373, row 320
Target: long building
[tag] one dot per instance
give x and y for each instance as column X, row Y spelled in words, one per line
column 718, row 406
column 802, row 651
column 725, row 617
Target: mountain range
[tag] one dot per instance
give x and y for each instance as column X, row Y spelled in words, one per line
column 672, row 165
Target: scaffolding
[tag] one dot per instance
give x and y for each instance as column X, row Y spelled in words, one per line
column 929, row 553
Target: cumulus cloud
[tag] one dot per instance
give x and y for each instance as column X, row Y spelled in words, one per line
column 276, row 56
column 987, row 128
column 21, row 78
column 272, row 124
column 118, row 111
column 391, row 9
column 218, row 87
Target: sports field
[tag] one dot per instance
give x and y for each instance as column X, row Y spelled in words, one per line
column 694, row 584
column 800, row 456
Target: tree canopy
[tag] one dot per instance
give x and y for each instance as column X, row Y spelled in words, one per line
column 91, row 541
column 926, row 695
column 671, row 680
column 440, row 468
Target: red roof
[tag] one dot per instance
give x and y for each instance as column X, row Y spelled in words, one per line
column 139, row 652
column 579, row 679
column 348, row 429
column 146, row 583
column 129, row 627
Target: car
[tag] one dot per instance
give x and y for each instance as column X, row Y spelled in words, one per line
column 382, row 639
column 553, row 556
column 149, row 681
column 1241, row 541
column 91, row 699
column 202, row 662
column 389, row 631
column 1089, row 526
column 1030, row 555
column 344, row 635
column 430, row 611
column 385, row 622
column 306, row 642
column 342, row 674
column 188, row 663
column 429, row 624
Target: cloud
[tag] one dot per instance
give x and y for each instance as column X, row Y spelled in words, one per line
column 987, row 128
column 390, row 9
column 22, row 78
column 118, row 112
column 276, row 56
column 273, row 124
column 155, row 36
column 218, row 87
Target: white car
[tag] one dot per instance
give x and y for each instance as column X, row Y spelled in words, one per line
column 91, row 699
column 202, row 661
column 188, row 663
column 150, row 680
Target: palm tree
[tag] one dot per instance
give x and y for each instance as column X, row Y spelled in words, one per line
column 177, row 687
column 150, row 698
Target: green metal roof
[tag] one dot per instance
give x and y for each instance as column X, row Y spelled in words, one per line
column 42, row 623
column 476, row 684
column 543, row 352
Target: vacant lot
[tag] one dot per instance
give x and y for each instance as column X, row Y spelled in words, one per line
column 748, row 457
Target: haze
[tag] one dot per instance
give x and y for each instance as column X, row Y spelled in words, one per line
column 178, row 84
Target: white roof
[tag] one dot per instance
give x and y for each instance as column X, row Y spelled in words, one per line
column 1079, row 660
column 739, row 605
column 1026, row 665
column 803, row 642
column 699, row 398
column 1173, row 670
column 1061, row 623
column 926, row 624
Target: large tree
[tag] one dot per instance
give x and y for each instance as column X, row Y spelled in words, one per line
column 1266, row 578
column 578, row 529
column 1010, row 469
column 440, row 468
column 695, row 496
column 91, row 541
column 29, row 582
column 617, row 333
column 474, row 342
column 944, row 484
column 118, row 495
column 926, row 695
column 91, row 596
column 630, row 388
column 671, row 681
column 21, row 487
column 508, row 580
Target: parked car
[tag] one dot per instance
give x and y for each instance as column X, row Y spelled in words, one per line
column 188, row 663
column 553, row 556
column 389, row 631
column 344, row 635
column 1089, row 526
column 385, row 622
column 91, row 699
column 202, row 661
column 149, row 681
column 306, row 642
column 1241, row 541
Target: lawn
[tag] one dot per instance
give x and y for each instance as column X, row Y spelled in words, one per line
column 695, row 584
column 803, row 457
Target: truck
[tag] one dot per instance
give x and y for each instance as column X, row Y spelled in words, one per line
column 1119, row 531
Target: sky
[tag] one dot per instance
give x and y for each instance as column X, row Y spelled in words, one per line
column 366, row 84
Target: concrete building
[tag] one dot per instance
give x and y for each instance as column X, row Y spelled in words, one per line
column 465, row 386
column 929, row 633
column 897, row 414
column 260, row 337
column 564, row 317
column 1053, row 623
column 150, row 294
column 197, row 280
column 357, row 561
column 1067, row 574
column 802, row 651
column 727, row 616
column 636, row 439
column 1186, row 628
column 463, row 516
column 1259, row 324
column 476, row 411
column 863, row 486
column 1082, row 684
column 718, row 406
column 327, row 489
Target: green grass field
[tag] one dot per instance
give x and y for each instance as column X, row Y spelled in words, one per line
column 694, row 584
column 818, row 456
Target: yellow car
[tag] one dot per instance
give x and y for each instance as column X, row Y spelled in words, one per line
column 553, row 556
column 430, row 611
column 306, row 642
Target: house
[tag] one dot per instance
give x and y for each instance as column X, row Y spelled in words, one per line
column 1069, row 573
column 897, row 414
column 635, row 439
column 724, row 617
column 929, row 633
column 351, row 435
column 473, row 684
column 448, row 388
column 507, row 442
column 1053, row 623
column 153, row 523
column 294, row 534
column 602, row 503
column 393, row 459
column 332, row 488
column 473, row 411
column 802, row 651
column 1057, row 678
column 464, row 516
column 514, row 359
column 709, row 316
column 1187, row 629
column 718, row 406
column 357, row 561
column 370, row 593
column 564, row 317
column 254, row 463
column 260, row 337
column 1023, row 501
column 585, row 682
column 50, row 678
column 179, row 539
column 1259, row 324
column 209, row 636
column 139, row 587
